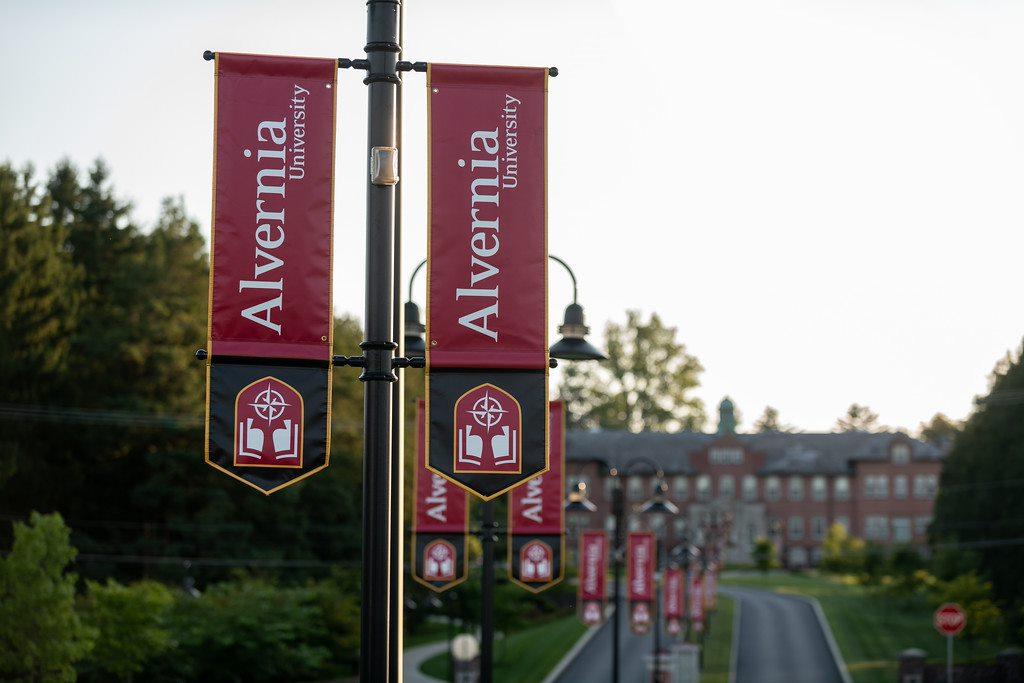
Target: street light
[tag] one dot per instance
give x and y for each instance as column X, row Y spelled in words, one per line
column 658, row 504
column 572, row 346
column 658, row 508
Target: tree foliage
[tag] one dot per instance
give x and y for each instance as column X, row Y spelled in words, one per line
column 763, row 554
column 41, row 636
column 940, row 430
column 769, row 422
column 859, row 418
column 842, row 552
column 646, row 383
column 980, row 505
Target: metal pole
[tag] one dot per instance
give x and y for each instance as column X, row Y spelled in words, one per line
column 657, row 613
column 949, row 659
column 397, row 522
column 617, row 510
column 487, row 595
column 382, row 48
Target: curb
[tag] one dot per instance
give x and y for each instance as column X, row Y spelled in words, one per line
column 837, row 656
column 734, row 654
column 565, row 661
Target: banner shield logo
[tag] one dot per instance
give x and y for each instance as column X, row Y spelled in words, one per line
column 268, row 425
column 640, row 618
column 536, row 561
column 488, row 432
column 592, row 613
column 439, row 561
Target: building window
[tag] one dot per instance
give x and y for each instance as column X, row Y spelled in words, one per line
column 656, row 523
column 841, row 488
column 926, row 485
column 635, row 488
column 819, row 489
column 796, row 528
column 679, row 525
column 921, row 525
column 796, row 488
column 901, row 529
column 774, row 527
column 899, row 486
column 681, row 487
column 818, row 528
column 772, row 489
column 609, row 487
column 609, row 524
column 726, row 486
column 900, row 454
column 634, row 524
column 876, row 527
column 704, row 488
column 579, row 520
column 843, row 521
column 749, row 488
column 725, row 456
column 876, row 486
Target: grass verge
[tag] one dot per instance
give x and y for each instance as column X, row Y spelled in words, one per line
column 871, row 629
column 718, row 646
column 526, row 655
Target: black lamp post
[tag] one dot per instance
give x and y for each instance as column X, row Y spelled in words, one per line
column 658, row 504
column 659, row 508
column 572, row 346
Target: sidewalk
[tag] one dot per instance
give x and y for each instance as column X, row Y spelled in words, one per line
column 414, row 657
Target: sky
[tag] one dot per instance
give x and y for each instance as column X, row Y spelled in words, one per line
column 823, row 196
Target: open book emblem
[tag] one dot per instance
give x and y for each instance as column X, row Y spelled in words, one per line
column 268, row 425
column 535, row 562
column 439, row 561
column 488, row 432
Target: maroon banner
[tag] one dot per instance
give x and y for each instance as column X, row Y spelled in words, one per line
column 487, row 362
column 673, row 593
column 640, row 551
column 440, row 523
column 593, row 560
column 536, row 518
column 696, row 601
column 270, row 284
column 269, row 342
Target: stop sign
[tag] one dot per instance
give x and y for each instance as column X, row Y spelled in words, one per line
column 950, row 619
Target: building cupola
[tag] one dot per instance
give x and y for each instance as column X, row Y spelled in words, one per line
column 726, row 417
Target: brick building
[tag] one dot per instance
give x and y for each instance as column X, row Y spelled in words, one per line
column 786, row 486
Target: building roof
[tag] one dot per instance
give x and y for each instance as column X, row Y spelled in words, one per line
column 831, row 453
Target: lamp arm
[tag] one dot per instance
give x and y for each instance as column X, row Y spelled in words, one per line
column 572, row 275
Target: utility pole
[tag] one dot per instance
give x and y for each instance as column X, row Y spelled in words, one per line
column 376, row 612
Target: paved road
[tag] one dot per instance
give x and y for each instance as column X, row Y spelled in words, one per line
column 414, row 657
column 593, row 664
column 780, row 640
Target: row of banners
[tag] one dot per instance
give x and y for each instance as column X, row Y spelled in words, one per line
column 270, row 339
column 486, row 427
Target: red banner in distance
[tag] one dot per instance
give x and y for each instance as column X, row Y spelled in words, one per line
column 593, row 565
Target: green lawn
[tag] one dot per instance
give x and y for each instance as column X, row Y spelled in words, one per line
column 526, row 655
column 718, row 646
column 870, row 629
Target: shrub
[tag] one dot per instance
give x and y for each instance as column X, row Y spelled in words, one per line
column 131, row 625
column 41, row 637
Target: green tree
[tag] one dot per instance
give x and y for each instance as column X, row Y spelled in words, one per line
column 859, row 418
column 646, row 383
column 763, row 554
column 769, row 422
column 841, row 551
column 130, row 622
column 979, row 499
column 940, row 430
column 41, row 636
column 984, row 618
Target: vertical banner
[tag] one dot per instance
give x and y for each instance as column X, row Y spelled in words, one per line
column 440, row 523
column 268, row 373
column 696, row 600
column 673, row 595
column 640, row 549
column 536, row 518
column 593, row 559
column 487, row 360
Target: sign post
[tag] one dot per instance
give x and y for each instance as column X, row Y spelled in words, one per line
column 949, row 621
